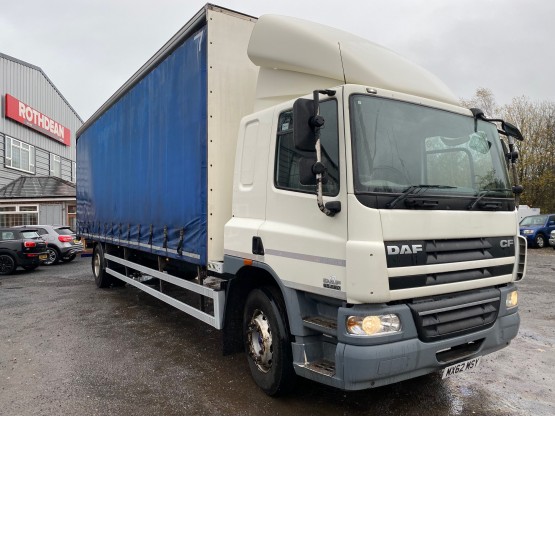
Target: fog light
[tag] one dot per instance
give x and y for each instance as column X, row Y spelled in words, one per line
column 512, row 300
column 373, row 325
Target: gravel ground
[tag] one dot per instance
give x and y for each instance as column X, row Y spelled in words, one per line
column 68, row 348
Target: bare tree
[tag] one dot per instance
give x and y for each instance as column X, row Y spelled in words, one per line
column 484, row 99
column 536, row 166
column 536, row 120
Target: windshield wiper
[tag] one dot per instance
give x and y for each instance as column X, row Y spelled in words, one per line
column 416, row 190
column 491, row 204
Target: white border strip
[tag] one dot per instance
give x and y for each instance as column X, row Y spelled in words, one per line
column 124, row 243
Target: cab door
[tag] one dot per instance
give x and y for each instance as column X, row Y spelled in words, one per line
column 304, row 247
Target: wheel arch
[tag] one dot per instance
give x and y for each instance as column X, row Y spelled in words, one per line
column 246, row 280
column 55, row 247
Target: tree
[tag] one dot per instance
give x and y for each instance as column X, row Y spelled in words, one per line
column 484, row 99
column 536, row 165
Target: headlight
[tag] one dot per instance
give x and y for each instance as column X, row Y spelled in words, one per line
column 373, row 325
column 512, row 300
column 528, row 231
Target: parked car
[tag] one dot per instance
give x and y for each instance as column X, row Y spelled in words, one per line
column 62, row 243
column 537, row 229
column 552, row 239
column 20, row 247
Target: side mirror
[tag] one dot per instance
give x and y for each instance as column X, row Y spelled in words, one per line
column 508, row 128
column 306, row 125
column 512, row 131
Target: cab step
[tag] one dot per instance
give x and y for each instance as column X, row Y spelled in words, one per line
column 322, row 324
column 324, row 367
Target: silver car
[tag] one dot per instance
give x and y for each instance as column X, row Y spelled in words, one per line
column 62, row 243
column 552, row 239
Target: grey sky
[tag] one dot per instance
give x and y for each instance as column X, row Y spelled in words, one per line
column 89, row 48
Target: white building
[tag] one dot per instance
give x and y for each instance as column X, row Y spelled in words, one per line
column 37, row 148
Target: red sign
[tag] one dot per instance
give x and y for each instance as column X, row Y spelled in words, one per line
column 20, row 112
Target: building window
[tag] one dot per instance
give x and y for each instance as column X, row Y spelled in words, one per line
column 55, row 165
column 19, row 215
column 74, row 172
column 19, row 156
column 72, row 216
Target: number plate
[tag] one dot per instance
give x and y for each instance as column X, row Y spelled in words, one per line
column 460, row 367
column 43, row 256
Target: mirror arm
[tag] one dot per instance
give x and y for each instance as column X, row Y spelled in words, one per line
column 317, row 121
column 517, row 187
column 511, row 132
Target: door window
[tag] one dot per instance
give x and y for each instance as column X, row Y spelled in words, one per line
column 288, row 157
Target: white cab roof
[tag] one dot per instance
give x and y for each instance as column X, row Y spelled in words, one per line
column 286, row 45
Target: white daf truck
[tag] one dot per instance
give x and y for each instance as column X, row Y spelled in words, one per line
column 338, row 213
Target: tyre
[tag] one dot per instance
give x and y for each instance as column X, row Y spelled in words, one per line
column 53, row 256
column 267, row 344
column 7, row 264
column 101, row 278
column 69, row 258
column 540, row 241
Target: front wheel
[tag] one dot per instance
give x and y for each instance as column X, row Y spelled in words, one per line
column 267, row 344
column 540, row 241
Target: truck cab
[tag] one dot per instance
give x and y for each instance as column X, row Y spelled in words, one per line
column 416, row 269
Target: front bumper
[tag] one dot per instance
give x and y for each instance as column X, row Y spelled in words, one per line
column 360, row 364
column 365, row 367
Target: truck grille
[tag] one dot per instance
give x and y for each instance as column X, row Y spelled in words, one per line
column 450, row 315
column 487, row 250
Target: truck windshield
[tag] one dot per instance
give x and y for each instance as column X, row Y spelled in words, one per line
column 402, row 150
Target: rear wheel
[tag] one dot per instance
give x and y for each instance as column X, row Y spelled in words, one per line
column 69, row 258
column 53, row 256
column 7, row 265
column 101, row 278
column 266, row 338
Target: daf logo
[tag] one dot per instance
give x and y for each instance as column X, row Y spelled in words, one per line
column 404, row 249
column 505, row 243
